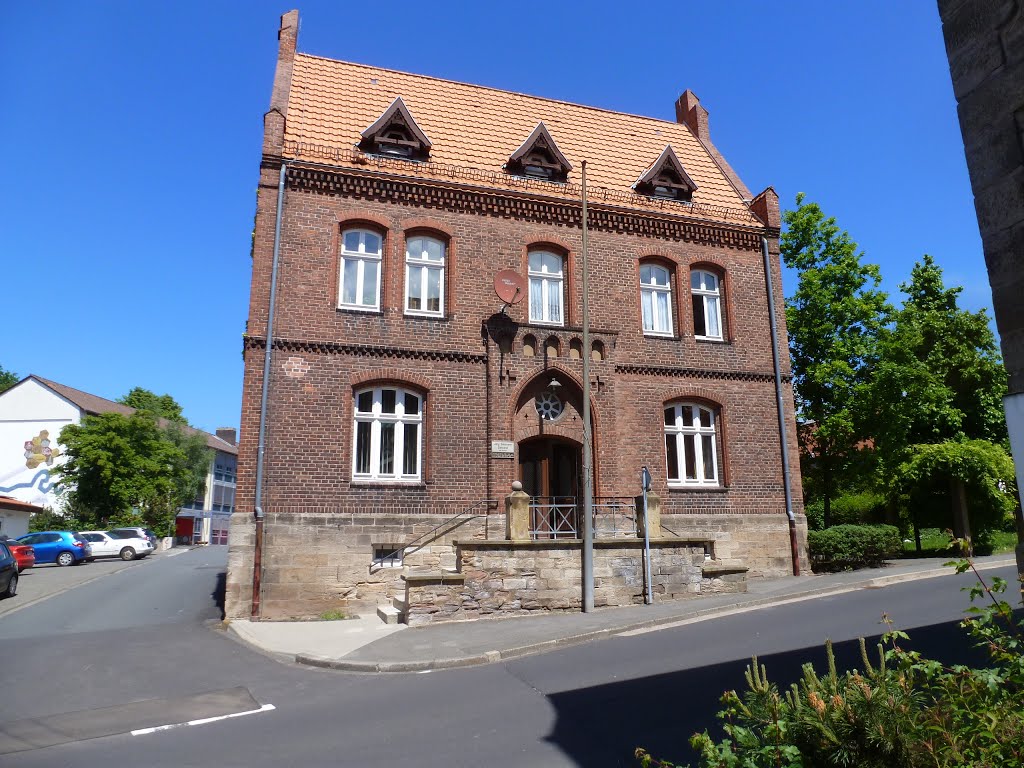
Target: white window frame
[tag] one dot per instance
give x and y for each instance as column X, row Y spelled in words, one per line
column 687, row 440
column 710, row 301
column 650, row 291
column 422, row 265
column 361, row 257
column 376, row 418
column 547, row 283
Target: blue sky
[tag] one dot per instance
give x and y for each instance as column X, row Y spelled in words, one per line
column 132, row 135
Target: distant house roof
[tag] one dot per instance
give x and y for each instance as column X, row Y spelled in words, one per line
column 6, row 502
column 93, row 404
column 474, row 127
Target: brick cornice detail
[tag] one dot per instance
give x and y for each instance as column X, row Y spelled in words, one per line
column 364, row 350
column 697, row 373
column 505, row 204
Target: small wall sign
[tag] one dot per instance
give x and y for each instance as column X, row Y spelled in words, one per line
column 503, row 449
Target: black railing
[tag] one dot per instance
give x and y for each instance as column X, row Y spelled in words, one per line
column 396, row 556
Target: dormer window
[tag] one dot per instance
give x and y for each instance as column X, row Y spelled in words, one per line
column 539, row 158
column 666, row 179
column 396, row 134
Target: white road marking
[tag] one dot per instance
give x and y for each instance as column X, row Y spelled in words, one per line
column 203, row 721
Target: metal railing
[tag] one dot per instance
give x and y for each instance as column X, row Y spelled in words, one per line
column 553, row 517
column 615, row 517
column 559, row 517
column 416, row 543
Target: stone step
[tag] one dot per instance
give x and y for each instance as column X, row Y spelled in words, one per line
column 399, row 603
column 389, row 614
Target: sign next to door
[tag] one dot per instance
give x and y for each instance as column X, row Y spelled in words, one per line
column 503, row 449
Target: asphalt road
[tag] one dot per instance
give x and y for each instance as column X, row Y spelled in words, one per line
column 145, row 639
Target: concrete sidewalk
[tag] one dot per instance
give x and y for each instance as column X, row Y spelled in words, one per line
column 366, row 644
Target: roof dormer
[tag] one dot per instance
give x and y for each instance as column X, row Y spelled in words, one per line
column 395, row 134
column 539, row 158
column 666, row 178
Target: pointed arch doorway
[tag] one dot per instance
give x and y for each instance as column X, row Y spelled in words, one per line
column 551, row 470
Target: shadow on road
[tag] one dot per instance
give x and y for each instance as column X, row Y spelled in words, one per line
column 603, row 725
column 219, row 590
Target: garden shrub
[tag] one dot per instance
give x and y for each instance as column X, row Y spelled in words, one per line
column 901, row 710
column 845, row 547
column 861, row 508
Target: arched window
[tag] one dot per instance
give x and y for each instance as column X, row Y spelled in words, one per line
column 691, row 449
column 424, row 276
column 547, row 281
column 388, row 435
column 359, row 286
column 705, row 290
column 656, row 299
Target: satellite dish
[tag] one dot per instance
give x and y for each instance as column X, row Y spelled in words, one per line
column 510, row 286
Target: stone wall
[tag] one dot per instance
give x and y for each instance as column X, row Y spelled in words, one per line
column 315, row 563
column 504, row 578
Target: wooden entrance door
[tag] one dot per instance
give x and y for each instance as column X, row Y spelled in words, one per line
column 551, row 472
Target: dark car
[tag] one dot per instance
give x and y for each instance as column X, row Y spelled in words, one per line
column 60, row 547
column 8, row 572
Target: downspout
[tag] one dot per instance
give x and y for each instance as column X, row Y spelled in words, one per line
column 257, row 558
column 783, row 442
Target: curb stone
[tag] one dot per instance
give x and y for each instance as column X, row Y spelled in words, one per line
column 490, row 657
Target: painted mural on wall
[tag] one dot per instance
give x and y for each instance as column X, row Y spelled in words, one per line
column 30, row 481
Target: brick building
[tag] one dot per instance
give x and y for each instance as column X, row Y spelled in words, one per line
column 404, row 393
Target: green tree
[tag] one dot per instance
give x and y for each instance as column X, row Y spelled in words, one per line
column 128, row 470
column 7, row 379
column 164, row 406
column 834, row 319
column 936, row 398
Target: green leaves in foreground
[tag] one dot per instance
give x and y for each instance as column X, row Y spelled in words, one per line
column 901, row 709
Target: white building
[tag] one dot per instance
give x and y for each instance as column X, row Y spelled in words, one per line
column 35, row 410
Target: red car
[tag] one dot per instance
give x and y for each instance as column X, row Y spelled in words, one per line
column 23, row 554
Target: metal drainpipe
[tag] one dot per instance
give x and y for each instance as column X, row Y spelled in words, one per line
column 783, row 443
column 257, row 558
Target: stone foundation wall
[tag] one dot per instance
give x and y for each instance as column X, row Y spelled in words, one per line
column 319, row 562
column 522, row 578
column 759, row 542
column 315, row 563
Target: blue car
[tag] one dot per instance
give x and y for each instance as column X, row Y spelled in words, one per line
column 60, row 547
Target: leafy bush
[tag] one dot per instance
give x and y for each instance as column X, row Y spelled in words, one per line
column 844, row 547
column 861, row 508
column 903, row 710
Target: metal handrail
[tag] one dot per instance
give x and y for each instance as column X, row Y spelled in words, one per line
column 555, row 518
column 435, row 529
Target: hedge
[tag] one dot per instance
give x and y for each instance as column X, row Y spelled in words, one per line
column 847, row 547
column 861, row 508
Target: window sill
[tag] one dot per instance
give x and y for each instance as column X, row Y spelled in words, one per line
column 697, row 488
column 662, row 336
column 359, row 310
column 542, row 324
column 391, row 484
column 710, row 340
column 424, row 316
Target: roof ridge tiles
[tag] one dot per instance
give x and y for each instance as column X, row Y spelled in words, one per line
column 492, row 89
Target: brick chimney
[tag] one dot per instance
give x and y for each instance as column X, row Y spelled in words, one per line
column 690, row 112
column 227, row 434
column 766, row 207
column 274, row 119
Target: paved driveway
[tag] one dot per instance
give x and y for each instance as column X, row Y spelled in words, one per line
column 42, row 581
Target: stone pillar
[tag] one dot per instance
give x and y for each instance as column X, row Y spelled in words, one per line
column 653, row 514
column 517, row 514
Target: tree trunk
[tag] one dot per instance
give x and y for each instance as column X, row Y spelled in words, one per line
column 917, row 532
column 826, row 490
column 961, row 521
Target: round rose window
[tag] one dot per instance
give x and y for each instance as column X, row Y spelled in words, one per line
column 548, row 406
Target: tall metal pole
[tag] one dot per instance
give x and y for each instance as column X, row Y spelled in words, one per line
column 645, row 481
column 588, row 448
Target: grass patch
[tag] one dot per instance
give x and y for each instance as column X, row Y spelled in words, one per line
column 333, row 616
column 935, row 542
